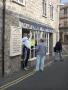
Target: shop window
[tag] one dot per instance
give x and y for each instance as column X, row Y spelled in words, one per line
column 32, row 45
column 22, row 2
column 35, row 36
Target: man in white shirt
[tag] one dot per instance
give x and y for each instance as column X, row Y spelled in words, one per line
column 26, row 50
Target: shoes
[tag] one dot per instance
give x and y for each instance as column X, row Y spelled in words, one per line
column 61, row 60
column 41, row 70
column 55, row 60
column 38, row 70
column 28, row 67
column 25, row 69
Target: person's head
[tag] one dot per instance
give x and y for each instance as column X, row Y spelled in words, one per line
column 25, row 34
column 41, row 40
column 60, row 40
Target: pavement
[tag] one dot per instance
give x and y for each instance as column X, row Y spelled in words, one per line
column 21, row 72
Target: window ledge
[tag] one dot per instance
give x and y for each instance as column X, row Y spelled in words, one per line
column 18, row 3
column 44, row 16
column 51, row 19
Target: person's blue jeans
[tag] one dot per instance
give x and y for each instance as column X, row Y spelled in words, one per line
column 40, row 63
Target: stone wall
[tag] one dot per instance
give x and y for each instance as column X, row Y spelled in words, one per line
column 34, row 10
column 12, row 64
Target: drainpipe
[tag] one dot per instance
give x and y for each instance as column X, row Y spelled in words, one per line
column 3, row 40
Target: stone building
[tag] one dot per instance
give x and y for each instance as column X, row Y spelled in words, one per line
column 40, row 18
column 63, row 25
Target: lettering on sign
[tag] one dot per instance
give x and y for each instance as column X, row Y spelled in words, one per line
column 15, row 41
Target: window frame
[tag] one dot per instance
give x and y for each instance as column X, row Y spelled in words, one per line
column 65, row 11
column 44, row 8
column 51, row 11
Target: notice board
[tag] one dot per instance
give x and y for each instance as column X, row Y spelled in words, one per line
column 15, row 41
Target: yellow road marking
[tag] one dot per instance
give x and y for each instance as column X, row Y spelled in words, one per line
column 20, row 79
column 16, row 81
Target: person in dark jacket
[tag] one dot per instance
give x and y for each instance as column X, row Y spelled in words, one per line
column 58, row 49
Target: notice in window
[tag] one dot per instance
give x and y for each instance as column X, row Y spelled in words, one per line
column 15, row 41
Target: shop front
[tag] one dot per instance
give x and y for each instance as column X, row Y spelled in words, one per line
column 37, row 31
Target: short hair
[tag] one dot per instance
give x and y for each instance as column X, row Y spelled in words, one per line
column 41, row 40
column 60, row 39
column 25, row 34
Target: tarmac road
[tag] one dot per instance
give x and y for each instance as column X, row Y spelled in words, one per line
column 54, row 77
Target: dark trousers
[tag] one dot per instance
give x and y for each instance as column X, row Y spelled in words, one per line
column 58, row 55
column 26, row 54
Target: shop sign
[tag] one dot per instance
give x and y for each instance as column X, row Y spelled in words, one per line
column 35, row 27
column 15, row 41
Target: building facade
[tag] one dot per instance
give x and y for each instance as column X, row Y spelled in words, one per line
column 63, row 25
column 40, row 18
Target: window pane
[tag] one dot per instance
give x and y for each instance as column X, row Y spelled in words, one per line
column 51, row 11
column 65, row 11
column 44, row 7
column 33, row 44
column 15, row 0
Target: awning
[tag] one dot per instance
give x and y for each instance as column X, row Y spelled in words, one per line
column 27, row 24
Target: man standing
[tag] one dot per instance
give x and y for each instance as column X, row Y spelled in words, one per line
column 41, row 55
column 26, row 49
column 58, row 50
